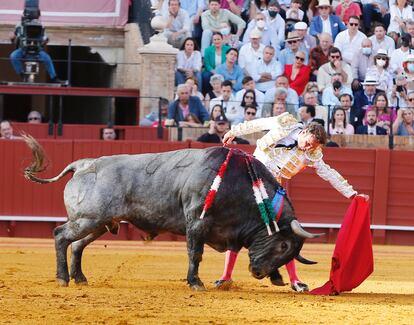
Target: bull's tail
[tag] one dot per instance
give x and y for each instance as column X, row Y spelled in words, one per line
column 38, row 163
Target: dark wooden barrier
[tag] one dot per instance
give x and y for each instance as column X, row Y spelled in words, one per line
column 387, row 176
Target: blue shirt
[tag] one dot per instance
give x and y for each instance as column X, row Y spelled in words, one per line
column 237, row 74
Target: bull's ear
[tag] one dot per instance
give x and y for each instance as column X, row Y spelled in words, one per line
column 298, row 230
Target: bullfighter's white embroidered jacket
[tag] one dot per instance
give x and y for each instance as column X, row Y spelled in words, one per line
column 284, row 162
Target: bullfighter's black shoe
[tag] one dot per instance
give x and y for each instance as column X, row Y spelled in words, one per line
column 223, row 284
column 299, row 286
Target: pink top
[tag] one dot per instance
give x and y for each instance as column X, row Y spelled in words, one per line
column 225, row 5
column 353, row 10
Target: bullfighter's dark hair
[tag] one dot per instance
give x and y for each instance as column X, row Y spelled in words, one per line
column 317, row 130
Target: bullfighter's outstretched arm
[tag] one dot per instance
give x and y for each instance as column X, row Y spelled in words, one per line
column 332, row 176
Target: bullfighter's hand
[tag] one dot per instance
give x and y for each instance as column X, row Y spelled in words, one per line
column 365, row 196
column 228, row 138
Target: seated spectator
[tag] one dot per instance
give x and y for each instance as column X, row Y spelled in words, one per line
column 312, row 87
column 307, row 41
column 152, row 118
column 216, row 132
column 278, row 109
column 380, row 40
column 34, row 117
column 108, row 134
column 347, row 8
column 401, row 54
column 215, row 83
column 192, row 84
column 235, row 6
column 6, row 131
column 229, row 103
column 366, row 96
column 289, row 96
column 178, row 24
column 185, row 104
column 230, row 70
column 214, row 55
column 319, row 55
column 330, row 95
column 259, row 23
column 339, row 123
column 321, row 112
column 275, row 23
column 385, row 114
column 371, row 128
column 335, row 65
column 306, row 114
column 294, row 12
column 265, row 71
column 251, row 52
column 212, row 19
column 381, row 71
column 349, row 41
column 362, row 60
column 249, row 99
column 298, row 73
column 400, row 12
column 216, row 111
column 249, row 84
column 404, row 123
column 317, row 24
column 191, row 121
column 408, row 70
column 288, row 55
column 353, row 114
column 399, row 96
column 188, row 63
column 249, row 112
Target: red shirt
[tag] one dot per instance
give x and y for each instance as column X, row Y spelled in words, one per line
column 302, row 78
column 225, row 5
column 352, row 10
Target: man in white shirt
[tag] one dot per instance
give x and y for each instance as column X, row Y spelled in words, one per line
column 291, row 100
column 275, row 24
column 178, row 24
column 251, row 52
column 249, row 84
column 259, row 23
column 381, row 41
column 349, row 41
column 265, row 71
column 234, row 112
column 399, row 55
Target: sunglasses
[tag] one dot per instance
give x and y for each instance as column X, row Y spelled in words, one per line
column 292, row 42
column 251, row 113
column 353, row 24
column 335, row 56
column 34, row 118
column 411, row 99
column 299, row 58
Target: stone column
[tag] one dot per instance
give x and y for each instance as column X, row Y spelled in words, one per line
column 157, row 68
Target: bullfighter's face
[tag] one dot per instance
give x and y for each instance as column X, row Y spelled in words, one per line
column 307, row 141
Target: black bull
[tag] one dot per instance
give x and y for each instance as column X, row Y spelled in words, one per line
column 165, row 192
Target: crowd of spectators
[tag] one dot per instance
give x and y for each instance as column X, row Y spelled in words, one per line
column 347, row 64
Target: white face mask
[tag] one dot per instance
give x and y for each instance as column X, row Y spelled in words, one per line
column 381, row 63
column 260, row 24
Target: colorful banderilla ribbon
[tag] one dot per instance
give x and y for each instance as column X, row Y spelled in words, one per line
column 216, row 184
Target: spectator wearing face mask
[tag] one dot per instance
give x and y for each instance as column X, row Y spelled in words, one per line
column 259, row 23
column 362, row 60
column 408, row 67
column 275, row 24
column 380, row 68
column 212, row 20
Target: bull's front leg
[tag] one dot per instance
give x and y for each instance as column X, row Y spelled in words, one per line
column 195, row 249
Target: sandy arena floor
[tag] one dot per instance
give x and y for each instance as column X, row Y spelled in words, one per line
column 137, row 283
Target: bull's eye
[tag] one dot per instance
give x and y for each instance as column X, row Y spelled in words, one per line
column 284, row 246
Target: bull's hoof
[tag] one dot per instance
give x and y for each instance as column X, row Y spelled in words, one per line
column 61, row 282
column 198, row 287
column 223, row 284
column 299, row 286
column 81, row 282
column 277, row 282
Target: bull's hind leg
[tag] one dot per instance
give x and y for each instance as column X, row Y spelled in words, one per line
column 195, row 249
column 76, row 258
column 65, row 235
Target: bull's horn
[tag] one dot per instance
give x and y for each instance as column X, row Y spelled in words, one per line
column 298, row 230
column 304, row 260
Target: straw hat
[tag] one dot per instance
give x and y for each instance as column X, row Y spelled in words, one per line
column 324, row 3
column 370, row 80
column 293, row 36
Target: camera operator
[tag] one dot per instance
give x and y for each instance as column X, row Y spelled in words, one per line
column 30, row 39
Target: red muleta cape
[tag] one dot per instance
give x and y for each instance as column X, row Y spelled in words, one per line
column 352, row 261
